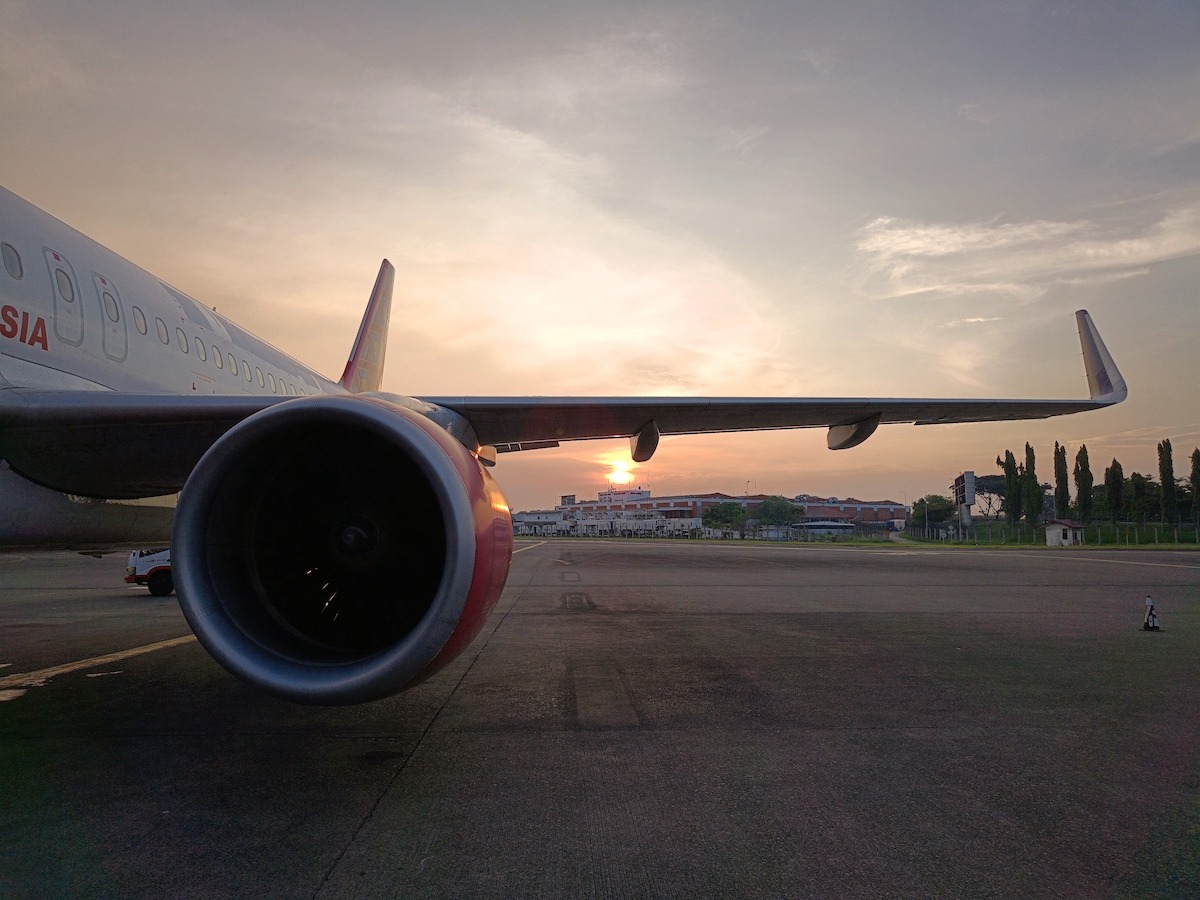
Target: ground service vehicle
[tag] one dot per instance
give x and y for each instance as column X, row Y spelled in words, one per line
column 151, row 568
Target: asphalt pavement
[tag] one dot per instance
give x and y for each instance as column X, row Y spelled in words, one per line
column 637, row 719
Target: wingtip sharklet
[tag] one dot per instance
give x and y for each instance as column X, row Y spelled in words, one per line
column 1105, row 382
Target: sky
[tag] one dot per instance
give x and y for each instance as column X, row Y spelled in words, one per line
column 872, row 199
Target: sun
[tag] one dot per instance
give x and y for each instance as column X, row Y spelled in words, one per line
column 620, row 474
column 621, row 470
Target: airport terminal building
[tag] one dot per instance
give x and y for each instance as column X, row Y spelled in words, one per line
column 634, row 512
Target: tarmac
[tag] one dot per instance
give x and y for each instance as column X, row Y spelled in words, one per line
column 637, row 719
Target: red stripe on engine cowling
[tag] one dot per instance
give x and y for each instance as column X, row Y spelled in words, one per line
column 493, row 543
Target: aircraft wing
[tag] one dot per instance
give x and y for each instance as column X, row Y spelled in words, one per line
column 112, row 444
column 517, row 423
column 511, row 424
column 120, row 445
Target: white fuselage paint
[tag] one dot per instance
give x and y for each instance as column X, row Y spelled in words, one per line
column 76, row 316
column 58, row 330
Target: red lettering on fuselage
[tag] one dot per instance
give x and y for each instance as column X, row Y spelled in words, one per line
column 38, row 338
column 16, row 324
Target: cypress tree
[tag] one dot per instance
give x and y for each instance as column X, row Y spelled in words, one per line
column 1114, row 490
column 1062, row 491
column 1194, row 483
column 1166, row 477
column 1012, row 487
column 1031, row 489
column 1083, row 484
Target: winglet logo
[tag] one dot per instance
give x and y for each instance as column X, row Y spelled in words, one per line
column 19, row 325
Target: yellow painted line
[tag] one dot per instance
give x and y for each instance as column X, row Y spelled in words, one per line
column 33, row 679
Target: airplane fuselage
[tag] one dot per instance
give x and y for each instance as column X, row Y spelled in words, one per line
column 76, row 316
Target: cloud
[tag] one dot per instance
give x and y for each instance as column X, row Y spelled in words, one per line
column 1021, row 260
column 741, row 143
column 622, row 67
column 973, row 112
column 889, row 239
column 976, row 320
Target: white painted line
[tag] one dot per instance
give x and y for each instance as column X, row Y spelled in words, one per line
column 1087, row 556
column 33, row 679
column 528, row 547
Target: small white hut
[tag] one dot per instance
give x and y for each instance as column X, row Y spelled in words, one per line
column 1064, row 533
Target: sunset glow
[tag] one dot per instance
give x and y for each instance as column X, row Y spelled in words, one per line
column 620, row 473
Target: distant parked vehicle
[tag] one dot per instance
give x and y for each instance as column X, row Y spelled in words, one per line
column 151, row 568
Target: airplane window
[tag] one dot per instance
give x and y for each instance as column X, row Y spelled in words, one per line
column 246, row 369
column 258, row 374
column 12, row 261
column 162, row 331
column 217, row 358
column 65, row 289
column 271, row 378
column 110, row 307
column 232, row 366
column 139, row 319
column 183, row 342
column 201, row 350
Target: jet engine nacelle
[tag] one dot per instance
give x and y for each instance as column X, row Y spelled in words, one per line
column 338, row 549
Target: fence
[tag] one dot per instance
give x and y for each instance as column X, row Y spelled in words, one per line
column 1094, row 533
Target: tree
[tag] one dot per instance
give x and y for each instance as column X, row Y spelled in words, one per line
column 1032, row 495
column 933, row 509
column 1012, row 487
column 1114, row 490
column 1137, row 498
column 727, row 516
column 989, row 495
column 1194, row 482
column 778, row 511
column 1062, row 491
column 1166, row 477
column 1083, row 484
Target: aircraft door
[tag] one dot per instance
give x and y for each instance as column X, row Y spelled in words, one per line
column 68, row 307
column 112, row 315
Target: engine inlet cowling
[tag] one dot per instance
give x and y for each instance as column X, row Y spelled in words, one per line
column 338, row 549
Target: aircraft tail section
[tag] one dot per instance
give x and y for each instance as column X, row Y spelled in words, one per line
column 364, row 368
column 1105, row 382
